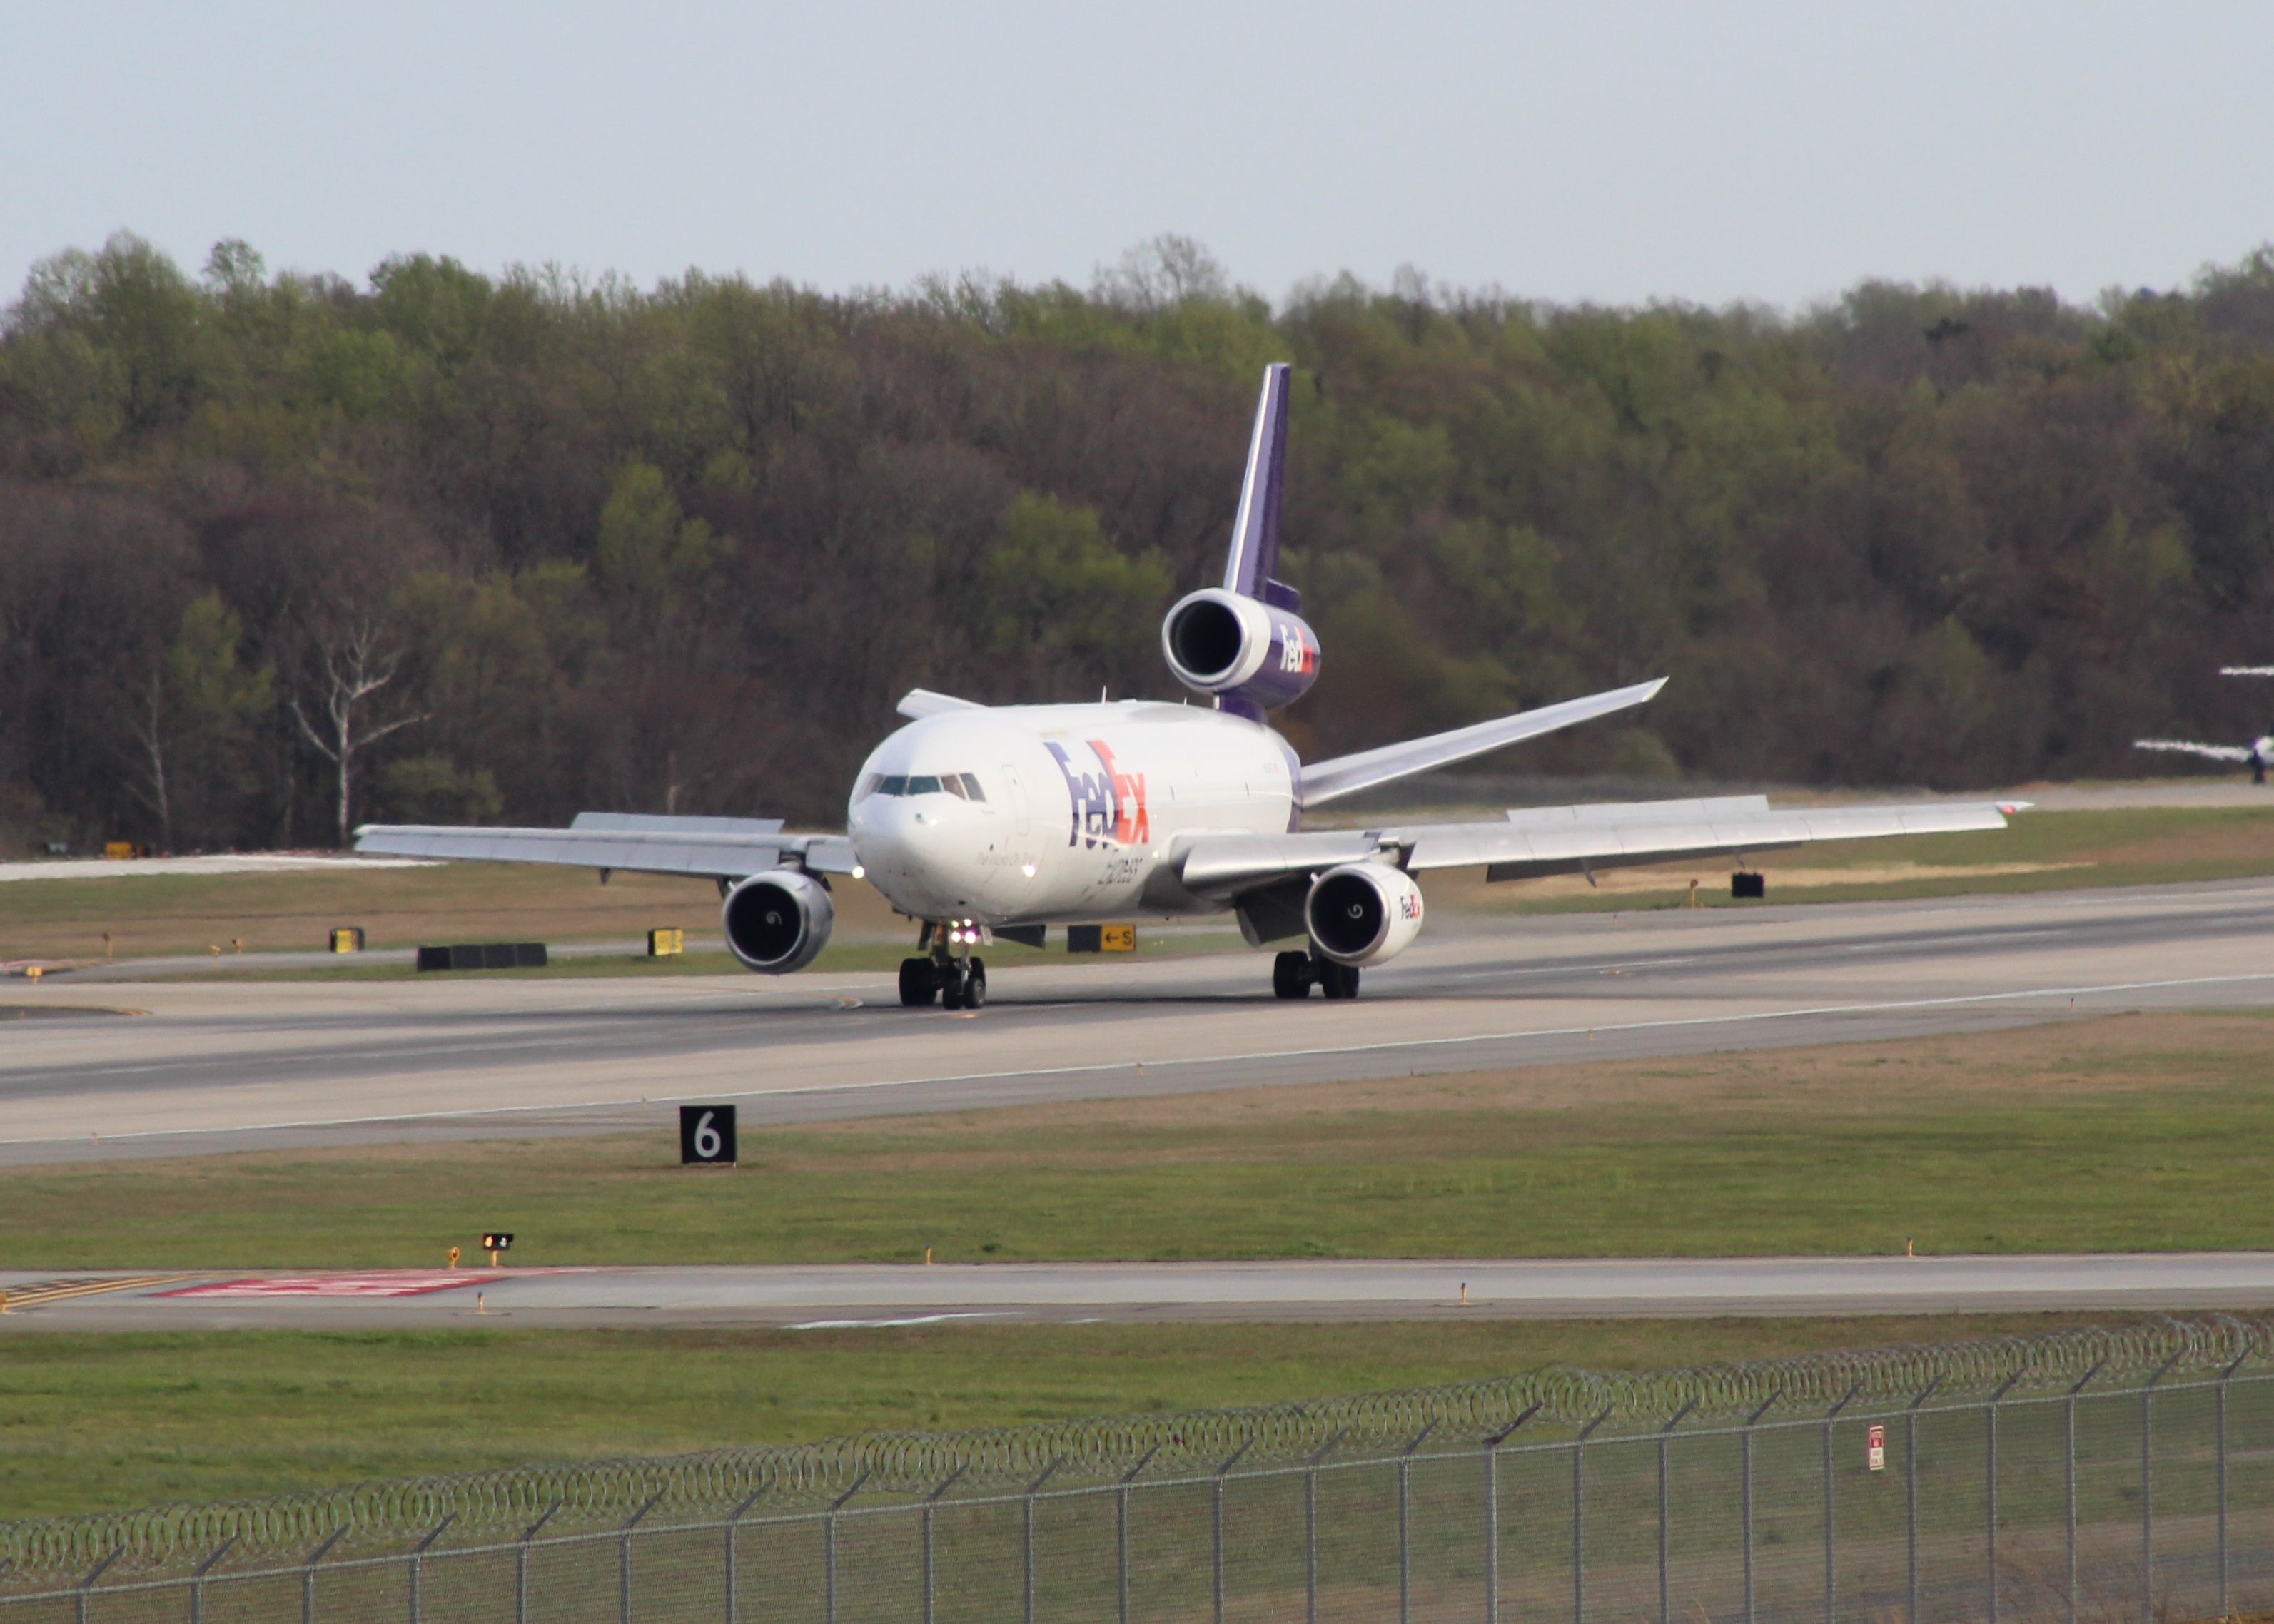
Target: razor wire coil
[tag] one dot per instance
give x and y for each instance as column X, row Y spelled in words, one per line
column 499, row 1505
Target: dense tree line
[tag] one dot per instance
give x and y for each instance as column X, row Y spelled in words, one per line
column 278, row 552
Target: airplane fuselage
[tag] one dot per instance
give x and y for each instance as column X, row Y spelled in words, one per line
column 1060, row 814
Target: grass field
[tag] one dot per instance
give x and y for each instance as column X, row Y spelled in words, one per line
column 2124, row 1132
column 106, row 1423
column 163, row 914
column 2037, row 851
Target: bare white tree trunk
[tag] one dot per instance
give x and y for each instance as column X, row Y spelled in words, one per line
column 149, row 733
column 354, row 670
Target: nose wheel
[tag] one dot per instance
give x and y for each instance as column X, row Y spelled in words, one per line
column 1293, row 975
column 952, row 983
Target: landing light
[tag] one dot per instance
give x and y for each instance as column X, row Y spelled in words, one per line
column 860, row 873
column 1028, row 869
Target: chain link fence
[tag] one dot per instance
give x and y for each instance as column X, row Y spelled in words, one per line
column 2109, row 1474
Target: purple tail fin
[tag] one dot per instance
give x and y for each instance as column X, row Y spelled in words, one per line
column 1255, row 553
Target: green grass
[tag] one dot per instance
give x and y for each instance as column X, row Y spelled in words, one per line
column 109, row 1422
column 2121, row 1132
column 2141, row 846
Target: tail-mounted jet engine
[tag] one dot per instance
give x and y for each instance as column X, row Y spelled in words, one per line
column 1241, row 648
column 777, row 921
column 1362, row 914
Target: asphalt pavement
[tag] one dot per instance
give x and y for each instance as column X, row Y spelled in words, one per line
column 852, row 1297
column 210, row 1066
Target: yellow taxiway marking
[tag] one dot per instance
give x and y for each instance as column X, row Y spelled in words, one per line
column 36, row 1293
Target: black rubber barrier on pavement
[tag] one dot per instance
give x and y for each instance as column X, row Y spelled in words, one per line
column 484, row 956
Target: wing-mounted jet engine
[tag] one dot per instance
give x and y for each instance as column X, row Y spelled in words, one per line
column 777, row 921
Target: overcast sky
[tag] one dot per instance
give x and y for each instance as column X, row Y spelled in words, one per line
column 1596, row 150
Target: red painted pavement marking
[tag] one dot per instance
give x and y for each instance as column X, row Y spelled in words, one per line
column 371, row 1282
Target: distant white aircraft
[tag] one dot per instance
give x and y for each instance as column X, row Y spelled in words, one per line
column 979, row 822
column 2257, row 754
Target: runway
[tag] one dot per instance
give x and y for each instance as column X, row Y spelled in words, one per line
column 225, row 1065
column 839, row 1298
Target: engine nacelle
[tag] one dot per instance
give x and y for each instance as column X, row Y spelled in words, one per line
column 1234, row 647
column 1362, row 914
column 777, row 921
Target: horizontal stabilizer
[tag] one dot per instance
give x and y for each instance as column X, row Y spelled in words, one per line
column 1346, row 775
column 922, row 702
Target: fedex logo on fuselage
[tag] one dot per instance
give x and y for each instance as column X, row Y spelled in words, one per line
column 1109, row 805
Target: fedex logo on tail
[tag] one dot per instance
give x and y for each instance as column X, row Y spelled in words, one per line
column 1108, row 806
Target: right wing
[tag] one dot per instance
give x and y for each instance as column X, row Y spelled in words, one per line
column 1531, row 842
column 2214, row 752
column 722, row 848
column 1346, row 775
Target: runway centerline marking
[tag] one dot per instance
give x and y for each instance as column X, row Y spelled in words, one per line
column 1691, row 1022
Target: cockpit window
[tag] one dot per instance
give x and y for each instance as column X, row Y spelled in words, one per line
column 962, row 784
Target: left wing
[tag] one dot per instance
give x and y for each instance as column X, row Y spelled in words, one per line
column 721, row 849
column 1538, row 841
column 1320, row 782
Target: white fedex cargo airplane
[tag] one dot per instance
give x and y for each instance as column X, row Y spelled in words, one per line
column 985, row 821
column 2257, row 755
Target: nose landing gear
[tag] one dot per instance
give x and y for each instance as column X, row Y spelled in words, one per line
column 956, row 981
column 1293, row 975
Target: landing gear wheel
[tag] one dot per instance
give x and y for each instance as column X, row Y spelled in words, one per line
column 974, row 986
column 1291, row 975
column 919, row 987
column 1337, row 980
column 950, row 986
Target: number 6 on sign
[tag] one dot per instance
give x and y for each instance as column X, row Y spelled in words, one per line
column 706, row 1135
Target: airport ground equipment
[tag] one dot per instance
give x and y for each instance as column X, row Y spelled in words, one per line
column 484, row 956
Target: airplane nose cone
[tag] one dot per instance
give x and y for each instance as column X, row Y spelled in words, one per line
column 916, row 851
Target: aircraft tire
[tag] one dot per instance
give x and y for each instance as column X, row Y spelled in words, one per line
column 919, row 987
column 1291, row 975
column 1337, row 980
column 974, row 986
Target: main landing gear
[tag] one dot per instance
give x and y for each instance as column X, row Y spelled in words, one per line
column 1293, row 975
column 957, row 983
